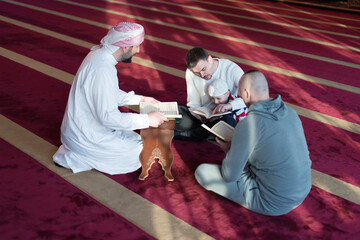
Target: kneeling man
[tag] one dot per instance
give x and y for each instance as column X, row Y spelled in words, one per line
column 94, row 133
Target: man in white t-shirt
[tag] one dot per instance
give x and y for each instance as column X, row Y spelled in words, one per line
column 202, row 70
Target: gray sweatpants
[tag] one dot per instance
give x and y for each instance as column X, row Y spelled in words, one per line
column 244, row 191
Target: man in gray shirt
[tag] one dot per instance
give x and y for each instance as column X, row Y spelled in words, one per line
column 267, row 166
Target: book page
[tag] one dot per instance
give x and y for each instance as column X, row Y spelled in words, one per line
column 220, row 114
column 215, row 133
column 170, row 109
column 206, row 112
column 222, row 130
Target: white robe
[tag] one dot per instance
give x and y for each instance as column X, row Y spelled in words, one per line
column 94, row 133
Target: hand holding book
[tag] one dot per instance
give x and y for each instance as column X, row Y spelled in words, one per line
column 156, row 119
column 223, row 145
column 169, row 109
column 222, row 130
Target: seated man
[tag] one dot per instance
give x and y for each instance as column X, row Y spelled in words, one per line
column 94, row 133
column 270, row 142
column 202, row 70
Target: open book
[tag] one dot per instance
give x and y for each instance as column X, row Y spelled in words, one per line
column 206, row 112
column 221, row 130
column 170, row 109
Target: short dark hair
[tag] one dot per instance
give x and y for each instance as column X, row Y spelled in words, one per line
column 252, row 71
column 194, row 55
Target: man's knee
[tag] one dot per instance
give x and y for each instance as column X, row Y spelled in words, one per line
column 208, row 174
column 199, row 172
column 188, row 121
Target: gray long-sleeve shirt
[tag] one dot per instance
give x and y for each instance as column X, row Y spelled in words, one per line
column 271, row 139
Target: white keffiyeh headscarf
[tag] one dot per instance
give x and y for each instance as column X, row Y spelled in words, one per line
column 125, row 34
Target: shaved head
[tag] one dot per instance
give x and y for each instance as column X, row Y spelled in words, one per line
column 253, row 87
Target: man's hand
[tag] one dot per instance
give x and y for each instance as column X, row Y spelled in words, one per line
column 214, row 118
column 149, row 100
column 220, row 108
column 156, row 119
column 203, row 119
column 223, row 145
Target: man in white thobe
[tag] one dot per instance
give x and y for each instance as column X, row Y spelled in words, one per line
column 94, row 133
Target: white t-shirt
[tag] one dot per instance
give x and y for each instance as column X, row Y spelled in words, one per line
column 197, row 87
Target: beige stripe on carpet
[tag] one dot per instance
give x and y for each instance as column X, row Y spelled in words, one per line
column 68, row 78
column 149, row 217
column 42, row 151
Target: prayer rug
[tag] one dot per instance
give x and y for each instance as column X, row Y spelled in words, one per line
column 310, row 57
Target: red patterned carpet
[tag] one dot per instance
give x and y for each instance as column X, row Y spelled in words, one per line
column 310, row 56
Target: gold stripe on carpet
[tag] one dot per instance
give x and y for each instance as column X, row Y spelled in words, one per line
column 335, row 186
column 220, row 36
column 296, row 10
column 257, row 19
column 323, row 118
column 320, row 182
column 286, row 16
column 266, row 46
column 147, row 216
column 68, row 78
column 38, row 66
column 123, row 201
column 232, row 24
column 267, row 67
column 290, row 73
column 322, row 4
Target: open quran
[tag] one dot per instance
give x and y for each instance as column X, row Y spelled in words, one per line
column 207, row 112
column 170, row 109
column 221, row 130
